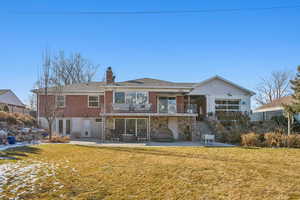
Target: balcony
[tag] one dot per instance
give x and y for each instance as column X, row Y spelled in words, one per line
column 149, row 110
column 128, row 108
column 177, row 108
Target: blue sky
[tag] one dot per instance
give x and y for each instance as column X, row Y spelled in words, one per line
column 240, row 46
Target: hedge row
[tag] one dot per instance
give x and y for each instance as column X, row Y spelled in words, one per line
column 17, row 119
column 272, row 139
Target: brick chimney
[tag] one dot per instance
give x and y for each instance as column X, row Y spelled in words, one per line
column 110, row 78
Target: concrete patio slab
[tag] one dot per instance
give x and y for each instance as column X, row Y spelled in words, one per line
column 151, row 144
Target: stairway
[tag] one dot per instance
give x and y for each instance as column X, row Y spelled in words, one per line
column 202, row 128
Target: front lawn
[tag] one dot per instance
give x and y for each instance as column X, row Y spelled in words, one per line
column 63, row 171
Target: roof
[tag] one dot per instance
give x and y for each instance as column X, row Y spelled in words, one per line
column 3, row 91
column 7, row 96
column 276, row 104
column 92, row 86
column 226, row 81
column 141, row 83
column 153, row 82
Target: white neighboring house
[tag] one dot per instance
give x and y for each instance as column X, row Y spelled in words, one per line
column 273, row 109
column 10, row 102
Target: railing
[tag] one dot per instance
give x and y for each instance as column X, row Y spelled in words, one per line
column 178, row 108
column 149, row 108
column 128, row 108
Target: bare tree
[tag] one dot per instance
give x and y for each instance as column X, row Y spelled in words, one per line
column 57, row 72
column 32, row 101
column 48, row 90
column 72, row 69
column 274, row 87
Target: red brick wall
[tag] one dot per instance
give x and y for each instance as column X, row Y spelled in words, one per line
column 75, row 106
column 108, row 101
column 153, row 101
column 41, row 103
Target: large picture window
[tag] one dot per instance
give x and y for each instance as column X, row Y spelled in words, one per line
column 227, row 105
column 131, row 97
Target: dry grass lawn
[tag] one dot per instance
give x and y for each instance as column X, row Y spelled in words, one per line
column 63, row 171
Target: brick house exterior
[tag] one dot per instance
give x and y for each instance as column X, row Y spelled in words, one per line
column 141, row 109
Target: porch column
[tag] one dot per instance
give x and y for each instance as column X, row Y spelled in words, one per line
column 103, row 128
column 149, row 129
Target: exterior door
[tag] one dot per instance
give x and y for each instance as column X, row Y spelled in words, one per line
column 86, row 128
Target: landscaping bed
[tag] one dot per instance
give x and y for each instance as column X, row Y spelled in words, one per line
column 64, row 171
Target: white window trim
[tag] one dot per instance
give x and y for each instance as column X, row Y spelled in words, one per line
column 88, row 101
column 56, row 101
column 125, row 92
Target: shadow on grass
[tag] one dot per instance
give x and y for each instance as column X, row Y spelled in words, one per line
column 157, row 152
column 19, row 152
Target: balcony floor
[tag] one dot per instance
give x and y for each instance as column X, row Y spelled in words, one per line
column 152, row 114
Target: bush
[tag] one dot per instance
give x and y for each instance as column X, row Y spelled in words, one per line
column 293, row 140
column 59, row 139
column 250, row 139
column 275, row 139
column 17, row 118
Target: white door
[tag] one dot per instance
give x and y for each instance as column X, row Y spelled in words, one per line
column 173, row 126
column 86, row 128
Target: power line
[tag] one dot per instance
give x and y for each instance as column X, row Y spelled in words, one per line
column 153, row 12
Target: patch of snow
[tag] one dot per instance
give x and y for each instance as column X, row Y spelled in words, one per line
column 21, row 177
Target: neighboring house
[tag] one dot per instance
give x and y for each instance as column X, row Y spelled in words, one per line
column 141, row 109
column 10, row 102
column 273, row 109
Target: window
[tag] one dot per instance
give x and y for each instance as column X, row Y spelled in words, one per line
column 131, row 97
column 98, row 120
column 137, row 127
column 130, row 126
column 120, row 126
column 68, row 127
column 167, row 105
column 227, row 105
column 141, row 127
column 94, row 101
column 119, row 97
column 60, row 101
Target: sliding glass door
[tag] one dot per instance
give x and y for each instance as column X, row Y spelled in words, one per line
column 167, row 105
column 135, row 127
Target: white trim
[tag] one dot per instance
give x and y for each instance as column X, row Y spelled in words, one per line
column 268, row 109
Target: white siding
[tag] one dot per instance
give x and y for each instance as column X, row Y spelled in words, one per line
column 76, row 126
column 219, row 89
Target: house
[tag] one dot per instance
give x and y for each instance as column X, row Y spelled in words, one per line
column 9, row 102
column 141, row 109
column 274, row 109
